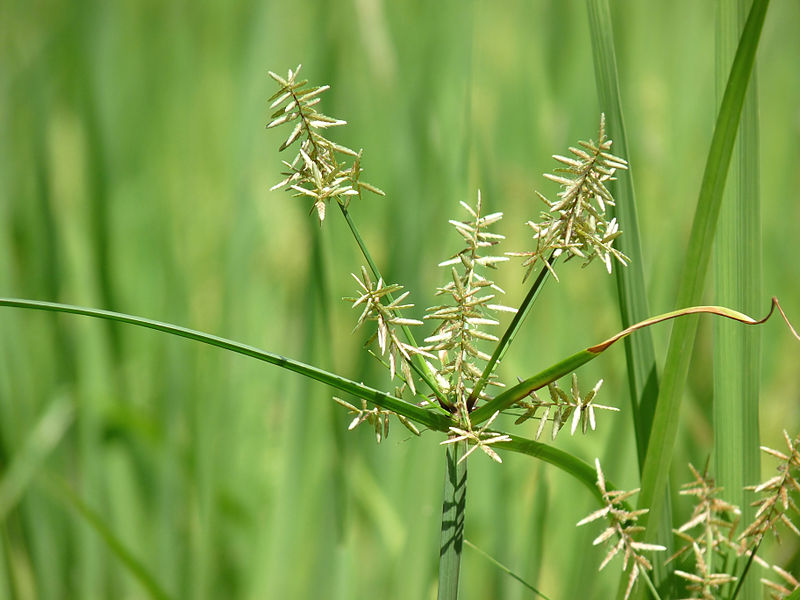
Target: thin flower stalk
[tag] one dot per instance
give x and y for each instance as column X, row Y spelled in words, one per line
column 319, row 171
column 373, row 298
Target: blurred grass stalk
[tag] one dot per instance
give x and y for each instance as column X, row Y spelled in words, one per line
column 737, row 270
column 659, row 453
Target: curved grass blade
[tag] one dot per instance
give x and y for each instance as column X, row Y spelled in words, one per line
column 564, row 367
column 427, row 418
column 579, row 469
column 665, row 423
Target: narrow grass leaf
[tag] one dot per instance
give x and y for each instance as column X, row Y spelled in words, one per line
column 431, row 419
column 574, row 361
column 505, row 569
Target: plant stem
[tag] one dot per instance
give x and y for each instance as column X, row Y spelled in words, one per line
column 511, row 331
column 453, row 508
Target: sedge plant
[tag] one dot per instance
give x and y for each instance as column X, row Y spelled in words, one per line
column 457, row 360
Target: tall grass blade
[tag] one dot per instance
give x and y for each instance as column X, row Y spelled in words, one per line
column 665, row 423
column 631, row 292
column 737, row 261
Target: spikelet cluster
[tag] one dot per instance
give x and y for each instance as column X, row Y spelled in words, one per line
column 576, row 225
column 319, row 171
column 708, row 535
column 621, row 531
column 462, row 321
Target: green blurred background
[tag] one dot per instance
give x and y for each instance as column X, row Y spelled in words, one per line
column 134, row 176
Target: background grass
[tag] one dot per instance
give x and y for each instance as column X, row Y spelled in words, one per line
column 134, row 171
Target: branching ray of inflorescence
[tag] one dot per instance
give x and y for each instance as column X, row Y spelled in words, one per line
column 317, row 173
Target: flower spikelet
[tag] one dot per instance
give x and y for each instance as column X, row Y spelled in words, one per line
column 456, row 340
column 576, row 224
column 621, row 528
column 377, row 306
column 561, row 406
column 377, row 417
column 319, row 171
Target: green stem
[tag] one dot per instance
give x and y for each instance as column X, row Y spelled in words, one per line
column 453, row 512
column 510, row 332
column 427, row 418
column 418, row 363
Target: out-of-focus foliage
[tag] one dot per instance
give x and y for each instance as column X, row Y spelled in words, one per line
column 134, row 176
